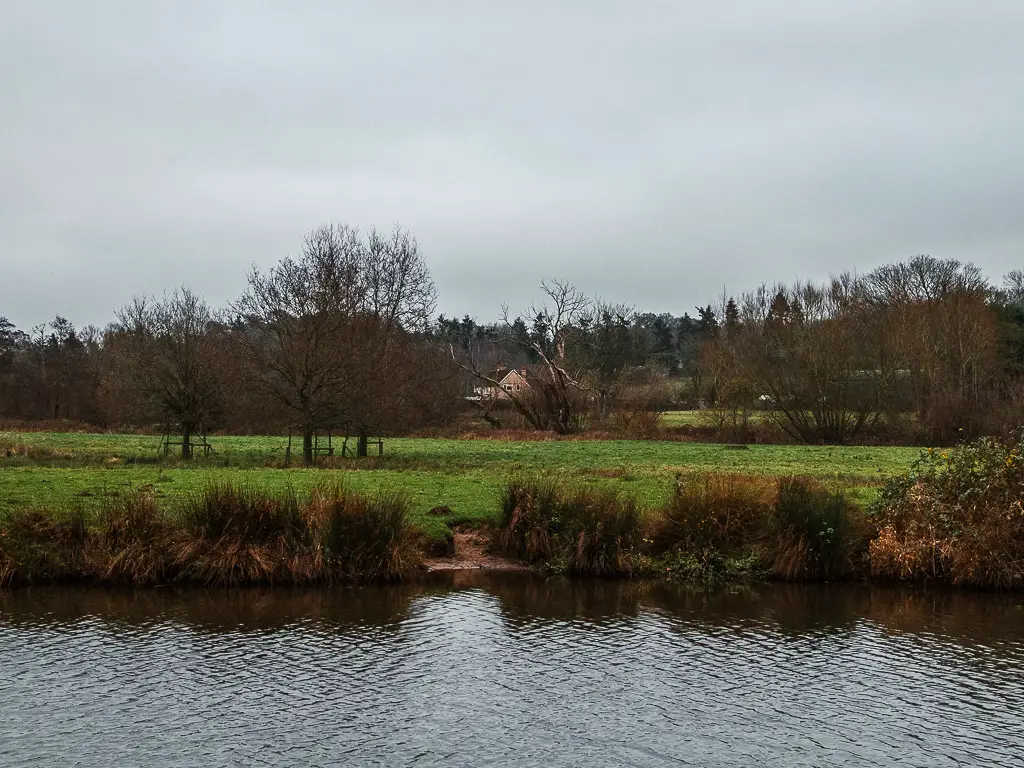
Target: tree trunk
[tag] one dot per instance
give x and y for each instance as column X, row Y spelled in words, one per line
column 186, row 441
column 307, row 446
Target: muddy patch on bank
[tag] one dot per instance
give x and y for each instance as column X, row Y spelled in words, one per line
column 471, row 554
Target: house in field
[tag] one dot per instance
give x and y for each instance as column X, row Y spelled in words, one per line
column 511, row 381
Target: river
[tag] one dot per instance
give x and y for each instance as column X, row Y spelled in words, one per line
column 476, row 669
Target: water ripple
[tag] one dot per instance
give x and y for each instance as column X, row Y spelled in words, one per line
column 515, row 673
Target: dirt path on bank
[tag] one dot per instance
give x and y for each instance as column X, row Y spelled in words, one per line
column 471, row 554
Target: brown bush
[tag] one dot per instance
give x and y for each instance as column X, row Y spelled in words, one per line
column 958, row 516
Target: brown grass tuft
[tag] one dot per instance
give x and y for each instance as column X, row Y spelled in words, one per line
column 707, row 511
column 579, row 531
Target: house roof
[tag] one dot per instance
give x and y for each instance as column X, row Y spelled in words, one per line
column 501, row 374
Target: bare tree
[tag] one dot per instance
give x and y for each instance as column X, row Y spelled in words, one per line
column 167, row 352
column 294, row 322
column 604, row 352
column 1013, row 287
column 330, row 336
column 937, row 322
column 388, row 372
column 805, row 349
column 556, row 396
column 400, row 293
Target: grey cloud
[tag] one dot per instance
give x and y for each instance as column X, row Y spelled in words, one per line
column 653, row 155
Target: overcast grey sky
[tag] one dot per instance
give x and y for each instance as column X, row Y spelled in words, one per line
column 651, row 152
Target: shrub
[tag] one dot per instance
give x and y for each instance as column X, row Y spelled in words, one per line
column 958, row 515
column 638, row 420
column 812, row 532
column 582, row 531
column 710, row 513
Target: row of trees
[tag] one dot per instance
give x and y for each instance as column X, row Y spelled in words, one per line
column 928, row 349
column 342, row 338
column 927, row 342
column 335, row 339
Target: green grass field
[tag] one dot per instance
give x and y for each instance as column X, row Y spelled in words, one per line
column 62, row 470
column 676, row 419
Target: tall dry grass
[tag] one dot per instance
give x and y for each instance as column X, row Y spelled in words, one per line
column 365, row 538
column 232, row 534
column 580, row 531
column 709, row 511
column 38, row 546
column 792, row 528
column 225, row 535
column 813, row 533
column 129, row 542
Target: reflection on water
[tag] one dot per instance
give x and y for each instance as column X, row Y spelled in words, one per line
column 508, row 669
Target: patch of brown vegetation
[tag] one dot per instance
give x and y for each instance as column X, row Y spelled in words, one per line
column 47, row 425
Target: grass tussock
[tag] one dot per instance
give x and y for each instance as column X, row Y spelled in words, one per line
column 14, row 449
column 957, row 516
column 365, row 538
column 129, row 542
column 225, row 535
column 232, row 534
column 723, row 527
column 37, row 546
column 714, row 527
column 580, row 531
column 711, row 512
column 813, row 533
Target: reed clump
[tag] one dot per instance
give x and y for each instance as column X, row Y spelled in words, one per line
column 363, row 538
column 129, row 542
column 528, row 519
column 225, row 535
column 580, row 531
column 957, row 516
column 711, row 512
column 813, row 533
column 39, row 546
column 231, row 534
column 725, row 526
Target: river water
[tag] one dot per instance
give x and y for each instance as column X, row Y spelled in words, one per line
column 512, row 670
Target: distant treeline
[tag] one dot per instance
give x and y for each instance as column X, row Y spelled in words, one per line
column 926, row 350
column 344, row 337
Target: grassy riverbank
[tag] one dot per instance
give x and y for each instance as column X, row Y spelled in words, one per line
column 614, row 507
column 589, row 507
column 68, row 470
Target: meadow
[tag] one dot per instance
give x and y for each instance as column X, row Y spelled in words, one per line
column 68, row 470
column 676, row 419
